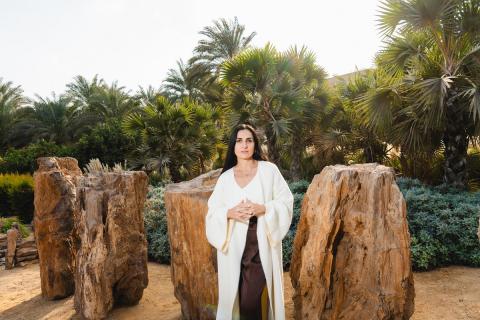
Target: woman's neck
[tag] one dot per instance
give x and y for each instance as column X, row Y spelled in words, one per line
column 246, row 164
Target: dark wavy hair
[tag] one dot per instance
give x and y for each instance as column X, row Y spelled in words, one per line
column 231, row 158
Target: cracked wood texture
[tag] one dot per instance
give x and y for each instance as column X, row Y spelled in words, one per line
column 54, row 200
column 193, row 260
column 111, row 261
column 351, row 257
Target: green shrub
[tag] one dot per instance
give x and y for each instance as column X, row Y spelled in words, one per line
column 105, row 142
column 6, row 223
column 156, row 225
column 443, row 223
column 16, row 196
column 24, row 160
column 298, row 189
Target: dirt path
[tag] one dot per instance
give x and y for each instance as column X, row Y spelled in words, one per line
column 450, row 293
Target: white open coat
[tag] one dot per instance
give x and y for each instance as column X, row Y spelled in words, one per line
column 228, row 237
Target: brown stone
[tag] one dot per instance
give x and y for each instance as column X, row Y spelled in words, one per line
column 111, row 263
column 12, row 236
column 26, row 251
column 193, row 260
column 54, row 200
column 351, row 257
column 3, row 240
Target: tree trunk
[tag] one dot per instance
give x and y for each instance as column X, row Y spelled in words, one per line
column 273, row 153
column 456, row 143
column 175, row 173
column 296, row 157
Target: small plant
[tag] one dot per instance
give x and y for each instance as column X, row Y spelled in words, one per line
column 6, row 224
column 95, row 166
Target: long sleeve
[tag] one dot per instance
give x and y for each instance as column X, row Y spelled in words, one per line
column 279, row 210
column 216, row 220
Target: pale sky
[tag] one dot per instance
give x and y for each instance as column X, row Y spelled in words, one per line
column 45, row 43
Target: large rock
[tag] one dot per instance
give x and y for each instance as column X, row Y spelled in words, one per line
column 12, row 237
column 351, row 257
column 193, row 260
column 111, row 263
column 54, row 201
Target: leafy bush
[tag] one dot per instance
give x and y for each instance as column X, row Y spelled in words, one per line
column 443, row 223
column 16, row 196
column 156, row 225
column 106, row 142
column 298, row 189
column 6, row 223
column 25, row 160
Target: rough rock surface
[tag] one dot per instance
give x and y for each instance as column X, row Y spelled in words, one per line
column 111, row 261
column 193, row 262
column 351, row 257
column 54, row 201
column 12, row 237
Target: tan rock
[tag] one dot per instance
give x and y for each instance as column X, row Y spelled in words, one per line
column 3, row 240
column 12, row 236
column 111, row 263
column 193, row 261
column 27, row 257
column 54, row 200
column 26, row 251
column 351, row 257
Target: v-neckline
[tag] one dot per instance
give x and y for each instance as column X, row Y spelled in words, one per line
column 249, row 182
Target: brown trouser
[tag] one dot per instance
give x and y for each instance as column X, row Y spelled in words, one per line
column 253, row 294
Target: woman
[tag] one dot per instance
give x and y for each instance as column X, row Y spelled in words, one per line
column 249, row 213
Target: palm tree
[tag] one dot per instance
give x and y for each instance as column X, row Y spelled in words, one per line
column 83, row 92
column 175, row 136
column 259, row 88
column 55, row 120
column 223, row 41
column 11, row 99
column 98, row 101
column 313, row 99
column 190, row 80
column 434, row 45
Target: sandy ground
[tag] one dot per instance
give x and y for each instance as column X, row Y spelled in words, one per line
column 449, row 293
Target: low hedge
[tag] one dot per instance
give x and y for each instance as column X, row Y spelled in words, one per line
column 16, row 196
column 443, row 224
column 24, row 160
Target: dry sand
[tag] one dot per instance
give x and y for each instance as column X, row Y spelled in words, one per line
column 449, row 293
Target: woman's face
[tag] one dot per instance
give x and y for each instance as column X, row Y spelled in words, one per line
column 245, row 145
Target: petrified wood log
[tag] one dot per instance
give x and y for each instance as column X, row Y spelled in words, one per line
column 193, row 262
column 351, row 257
column 111, row 263
column 54, row 201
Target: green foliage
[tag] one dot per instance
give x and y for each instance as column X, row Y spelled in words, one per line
column 106, row 142
column 298, row 189
column 179, row 138
column 24, row 160
column 11, row 99
column 443, row 223
column 6, row 223
column 16, row 196
column 156, row 225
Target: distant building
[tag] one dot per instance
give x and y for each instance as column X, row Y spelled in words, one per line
column 345, row 77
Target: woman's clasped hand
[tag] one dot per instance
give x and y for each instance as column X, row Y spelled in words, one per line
column 245, row 210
